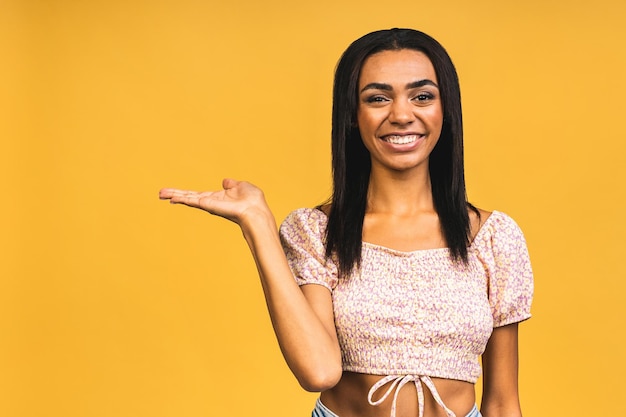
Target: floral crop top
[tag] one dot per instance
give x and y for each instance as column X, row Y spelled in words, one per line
column 414, row 315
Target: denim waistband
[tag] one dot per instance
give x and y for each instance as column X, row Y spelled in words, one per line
column 474, row 412
column 321, row 410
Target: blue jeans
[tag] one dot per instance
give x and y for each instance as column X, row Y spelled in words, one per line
column 320, row 410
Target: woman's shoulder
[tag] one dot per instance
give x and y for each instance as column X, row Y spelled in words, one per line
column 305, row 221
column 478, row 218
column 494, row 227
column 324, row 208
column 308, row 214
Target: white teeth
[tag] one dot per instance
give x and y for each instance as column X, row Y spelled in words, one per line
column 400, row 140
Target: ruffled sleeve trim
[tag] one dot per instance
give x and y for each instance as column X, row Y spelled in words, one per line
column 502, row 248
column 302, row 237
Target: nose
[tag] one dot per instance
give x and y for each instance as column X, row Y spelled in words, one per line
column 401, row 112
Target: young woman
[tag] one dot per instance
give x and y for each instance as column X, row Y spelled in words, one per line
column 400, row 284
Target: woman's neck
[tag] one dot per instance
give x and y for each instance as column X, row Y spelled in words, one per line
column 404, row 193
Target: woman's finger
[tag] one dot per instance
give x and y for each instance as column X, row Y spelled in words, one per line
column 167, row 193
column 187, row 197
column 190, row 198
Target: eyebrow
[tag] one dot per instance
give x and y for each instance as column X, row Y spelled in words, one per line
column 387, row 87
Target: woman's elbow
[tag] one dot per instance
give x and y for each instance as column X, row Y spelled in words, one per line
column 321, row 378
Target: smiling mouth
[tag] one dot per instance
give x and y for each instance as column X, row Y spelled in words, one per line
column 401, row 139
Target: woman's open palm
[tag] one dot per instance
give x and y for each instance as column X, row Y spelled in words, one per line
column 237, row 200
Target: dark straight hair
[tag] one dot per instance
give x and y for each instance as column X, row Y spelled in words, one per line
column 351, row 161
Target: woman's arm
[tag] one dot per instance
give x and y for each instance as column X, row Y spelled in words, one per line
column 302, row 319
column 500, row 373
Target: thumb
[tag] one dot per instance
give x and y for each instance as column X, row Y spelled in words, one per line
column 229, row 183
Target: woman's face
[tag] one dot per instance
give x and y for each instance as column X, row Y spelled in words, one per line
column 400, row 114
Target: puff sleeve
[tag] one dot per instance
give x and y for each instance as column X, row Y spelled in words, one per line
column 302, row 238
column 510, row 277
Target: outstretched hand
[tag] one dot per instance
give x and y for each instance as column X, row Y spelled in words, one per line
column 237, row 202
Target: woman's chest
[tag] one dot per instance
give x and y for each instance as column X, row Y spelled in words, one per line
column 420, row 295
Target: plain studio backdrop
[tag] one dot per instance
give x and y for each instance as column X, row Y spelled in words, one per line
column 115, row 304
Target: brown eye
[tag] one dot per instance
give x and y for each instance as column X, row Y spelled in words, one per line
column 424, row 97
column 376, row 99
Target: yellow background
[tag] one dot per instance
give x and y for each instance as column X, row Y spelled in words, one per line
column 113, row 303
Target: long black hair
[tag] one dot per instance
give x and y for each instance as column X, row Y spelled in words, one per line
column 351, row 161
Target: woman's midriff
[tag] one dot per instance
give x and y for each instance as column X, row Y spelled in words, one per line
column 349, row 398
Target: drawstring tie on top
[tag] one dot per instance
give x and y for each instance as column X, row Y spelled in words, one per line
column 398, row 383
